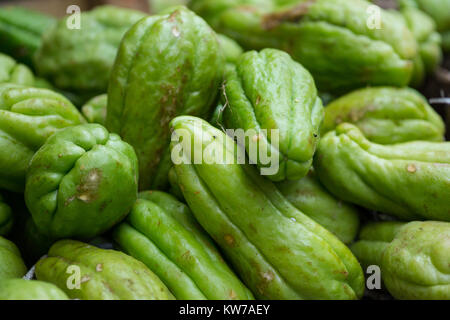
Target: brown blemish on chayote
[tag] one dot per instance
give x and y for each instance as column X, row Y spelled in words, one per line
column 294, row 14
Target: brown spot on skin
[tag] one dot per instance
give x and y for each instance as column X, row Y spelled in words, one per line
column 229, row 240
column 85, row 278
column 232, row 295
column 89, row 186
column 197, row 192
column 253, row 228
column 258, row 100
column 69, row 200
column 99, row 267
column 293, row 14
column 411, row 168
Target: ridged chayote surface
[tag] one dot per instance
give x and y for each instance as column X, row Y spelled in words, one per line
column 20, row 289
column 13, row 72
column 413, row 257
column 409, row 180
column 267, row 90
column 81, row 182
column 104, row 274
column 333, row 39
column 95, row 109
column 81, row 59
column 278, row 251
column 162, row 232
column 386, row 115
column 167, row 65
column 6, row 217
column 310, row 197
column 11, row 263
column 28, row 116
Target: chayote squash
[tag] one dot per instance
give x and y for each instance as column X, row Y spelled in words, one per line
column 310, row 197
column 95, row 109
column 6, row 217
column 279, row 252
column 11, row 263
column 408, row 180
column 386, row 115
column 156, row 6
column 20, row 289
column 13, row 72
column 28, row 116
column 267, row 90
column 230, row 48
column 103, row 274
column 81, row 182
column 338, row 41
column 80, row 59
column 167, row 65
column 161, row 232
column 413, row 257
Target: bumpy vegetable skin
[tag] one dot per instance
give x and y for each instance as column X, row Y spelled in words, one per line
column 408, row 180
column 167, row 65
column 310, row 197
column 268, row 241
column 13, row 72
column 104, row 274
column 95, row 109
column 413, row 257
column 81, row 182
column 162, row 232
column 386, row 115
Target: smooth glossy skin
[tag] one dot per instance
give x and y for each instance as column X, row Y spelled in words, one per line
column 28, row 116
column 104, row 274
column 167, row 65
column 95, row 109
column 20, row 289
column 11, row 263
column 162, row 232
column 330, row 38
column 268, row 241
column 6, row 217
column 81, row 60
column 386, row 115
column 409, row 180
column 268, row 90
column 13, row 72
column 413, row 257
column 81, row 182
column 310, row 197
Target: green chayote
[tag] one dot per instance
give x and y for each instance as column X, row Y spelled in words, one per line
column 95, row 109
column 278, row 251
column 13, row 72
column 409, row 180
column 104, row 274
column 28, row 116
column 310, row 197
column 413, row 257
column 6, row 217
column 339, row 41
column 269, row 91
column 81, row 182
column 386, row 115
column 230, row 48
column 156, row 6
column 161, row 232
column 11, row 263
column 20, row 289
column 167, row 65
column 80, row 58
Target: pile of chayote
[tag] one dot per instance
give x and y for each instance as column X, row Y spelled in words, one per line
column 342, row 166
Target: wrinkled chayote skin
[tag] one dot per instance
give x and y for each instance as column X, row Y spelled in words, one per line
column 13, row 72
column 104, row 274
column 28, row 116
column 268, row 90
column 6, row 217
column 268, row 241
column 95, row 109
column 11, row 263
column 413, row 257
column 310, row 197
column 80, row 59
column 20, row 289
column 167, row 65
column 162, row 232
column 409, row 180
column 386, row 115
column 336, row 40
column 230, row 48
column 81, row 182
